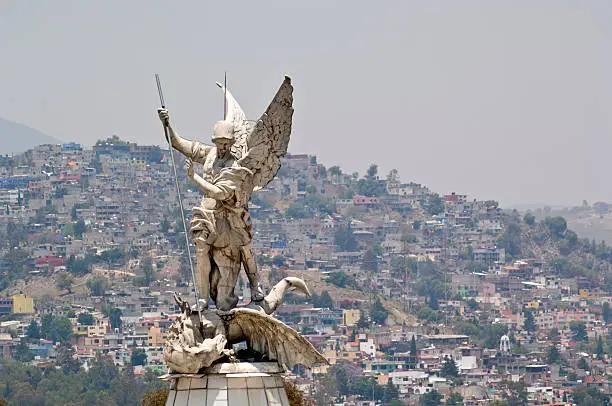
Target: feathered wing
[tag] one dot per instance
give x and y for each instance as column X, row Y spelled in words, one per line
column 259, row 146
column 275, row 339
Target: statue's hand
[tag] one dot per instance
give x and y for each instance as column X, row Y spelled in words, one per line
column 190, row 169
column 163, row 116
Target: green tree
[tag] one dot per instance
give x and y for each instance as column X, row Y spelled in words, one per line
column 511, row 239
column 66, row 359
column 341, row 280
column 34, row 330
column 579, row 330
column 378, row 312
column 433, row 398
column 23, row 352
column 64, row 281
column 139, row 357
column 449, row 368
column 86, row 319
column 325, row 301
column 584, row 396
column 79, row 267
column 390, row 392
column 98, row 285
column 583, row 364
column 413, row 352
column 61, row 329
column 371, row 258
column 553, row 356
column 115, row 318
column 529, row 219
column 147, row 269
column 605, row 312
column 529, row 322
column 455, row 399
column 599, row 349
column 345, row 240
column 556, row 225
column 157, row 397
column 433, row 205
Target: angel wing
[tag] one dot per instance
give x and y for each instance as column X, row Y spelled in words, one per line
column 259, row 146
column 273, row 338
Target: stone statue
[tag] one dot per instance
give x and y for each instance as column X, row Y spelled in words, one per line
column 245, row 158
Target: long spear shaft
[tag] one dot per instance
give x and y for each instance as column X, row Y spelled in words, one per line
column 180, row 199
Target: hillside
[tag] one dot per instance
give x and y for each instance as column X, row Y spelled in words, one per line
column 18, row 138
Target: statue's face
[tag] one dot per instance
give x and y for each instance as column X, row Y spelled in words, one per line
column 223, row 146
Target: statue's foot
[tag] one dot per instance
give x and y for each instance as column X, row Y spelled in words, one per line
column 257, row 295
column 203, row 305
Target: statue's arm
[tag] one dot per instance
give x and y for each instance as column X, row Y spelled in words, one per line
column 182, row 145
column 208, row 188
column 211, row 190
column 191, row 149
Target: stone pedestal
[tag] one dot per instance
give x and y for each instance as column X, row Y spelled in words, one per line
column 230, row 384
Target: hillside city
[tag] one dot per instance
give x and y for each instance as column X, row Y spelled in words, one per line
column 418, row 298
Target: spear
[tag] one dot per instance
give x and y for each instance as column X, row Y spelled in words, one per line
column 180, row 199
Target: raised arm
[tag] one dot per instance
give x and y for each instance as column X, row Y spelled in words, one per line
column 191, row 149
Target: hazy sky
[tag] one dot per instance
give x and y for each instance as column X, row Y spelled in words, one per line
column 499, row 100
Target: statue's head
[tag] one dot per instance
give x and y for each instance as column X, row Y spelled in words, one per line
column 223, row 136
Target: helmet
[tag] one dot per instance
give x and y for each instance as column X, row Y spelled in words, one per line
column 223, row 130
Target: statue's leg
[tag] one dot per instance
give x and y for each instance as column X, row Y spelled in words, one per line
column 250, row 267
column 228, row 261
column 203, row 267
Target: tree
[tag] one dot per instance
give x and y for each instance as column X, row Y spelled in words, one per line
column 64, row 281
column 164, row 226
column 390, row 392
column 115, row 318
column 529, row 323
column 599, row 349
column 433, row 205
column 139, row 357
column 433, row 398
column 325, row 301
column 449, row 368
column 341, row 280
column 61, row 329
column 157, row 397
column 529, row 219
column 79, row 267
column 455, row 399
column 553, row 356
column 511, row 239
column 413, row 352
column 66, row 360
column 23, row 352
column 86, row 319
column 378, row 312
column 34, row 330
column 579, row 330
column 556, row 225
column 584, row 396
column 583, row 364
column 605, row 312
column 147, row 269
column 345, row 240
column 98, row 285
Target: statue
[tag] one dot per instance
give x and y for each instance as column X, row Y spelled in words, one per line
column 245, row 158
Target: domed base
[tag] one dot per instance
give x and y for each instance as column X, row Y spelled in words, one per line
column 230, row 384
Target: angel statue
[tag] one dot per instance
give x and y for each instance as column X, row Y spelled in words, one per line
column 245, row 157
